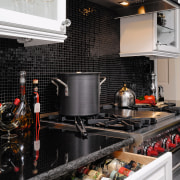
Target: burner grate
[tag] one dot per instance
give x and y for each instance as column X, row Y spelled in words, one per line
column 121, row 123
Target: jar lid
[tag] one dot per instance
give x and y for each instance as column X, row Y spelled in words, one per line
column 112, row 174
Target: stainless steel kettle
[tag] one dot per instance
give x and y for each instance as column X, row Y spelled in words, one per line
column 125, row 97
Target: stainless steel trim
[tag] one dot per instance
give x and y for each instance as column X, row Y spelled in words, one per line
column 176, row 167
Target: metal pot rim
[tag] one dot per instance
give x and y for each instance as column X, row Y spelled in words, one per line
column 78, row 73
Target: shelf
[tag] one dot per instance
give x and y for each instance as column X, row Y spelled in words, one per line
column 164, row 29
column 159, row 54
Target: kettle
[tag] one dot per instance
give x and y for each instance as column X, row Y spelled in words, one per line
column 125, row 97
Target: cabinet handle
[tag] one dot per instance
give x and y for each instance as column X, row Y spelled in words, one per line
column 24, row 40
column 160, row 44
column 66, row 22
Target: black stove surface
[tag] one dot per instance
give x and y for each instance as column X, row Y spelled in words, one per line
column 58, row 145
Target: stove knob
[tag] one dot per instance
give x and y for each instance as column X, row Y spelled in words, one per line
column 150, row 152
column 169, row 144
column 176, row 138
column 178, row 129
column 157, row 147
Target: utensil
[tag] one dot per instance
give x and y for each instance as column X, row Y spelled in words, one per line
column 161, row 93
column 153, row 85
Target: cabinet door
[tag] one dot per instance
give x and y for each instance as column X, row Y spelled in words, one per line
column 167, row 31
column 136, row 34
column 159, row 169
column 168, row 73
column 34, row 14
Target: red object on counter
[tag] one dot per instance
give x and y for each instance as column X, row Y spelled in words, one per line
column 151, row 97
column 157, row 147
column 148, row 101
column 149, row 151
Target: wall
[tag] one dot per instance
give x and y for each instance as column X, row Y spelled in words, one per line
column 168, row 77
column 92, row 45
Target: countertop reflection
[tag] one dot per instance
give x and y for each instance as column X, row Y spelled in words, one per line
column 40, row 150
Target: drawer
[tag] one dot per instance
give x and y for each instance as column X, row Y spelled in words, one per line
column 155, row 168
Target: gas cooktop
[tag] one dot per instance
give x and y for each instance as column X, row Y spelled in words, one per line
column 131, row 119
column 116, row 118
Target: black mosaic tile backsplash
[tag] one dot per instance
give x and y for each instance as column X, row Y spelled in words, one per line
column 92, row 46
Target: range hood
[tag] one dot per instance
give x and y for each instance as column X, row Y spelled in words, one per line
column 136, row 7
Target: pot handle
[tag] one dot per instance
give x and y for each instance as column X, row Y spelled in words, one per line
column 63, row 83
column 57, row 87
column 104, row 79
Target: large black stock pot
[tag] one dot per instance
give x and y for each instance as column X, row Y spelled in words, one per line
column 78, row 93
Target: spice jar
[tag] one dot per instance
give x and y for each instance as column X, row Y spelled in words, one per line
column 117, row 176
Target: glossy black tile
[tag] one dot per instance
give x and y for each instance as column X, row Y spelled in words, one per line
column 92, row 45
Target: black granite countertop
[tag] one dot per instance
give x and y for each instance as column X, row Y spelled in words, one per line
column 57, row 150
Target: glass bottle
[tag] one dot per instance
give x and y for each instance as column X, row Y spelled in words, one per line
column 9, row 113
column 35, row 105
column 23, row 113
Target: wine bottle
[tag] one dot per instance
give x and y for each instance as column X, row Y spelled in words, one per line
column 35, row 105
column 9, row 113
column 35, row 109
column 23, row 113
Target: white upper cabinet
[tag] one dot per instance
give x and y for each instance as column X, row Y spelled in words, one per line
column 153, row 34
column 34, row 22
